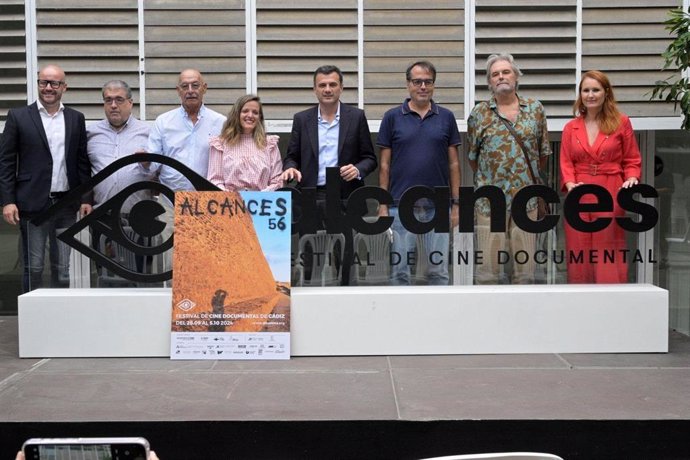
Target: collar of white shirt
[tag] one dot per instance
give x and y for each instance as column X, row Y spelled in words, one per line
column 44, row 110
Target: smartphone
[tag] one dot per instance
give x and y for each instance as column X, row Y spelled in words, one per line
column 86, row 449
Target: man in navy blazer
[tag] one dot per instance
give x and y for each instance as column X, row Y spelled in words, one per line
column 330, row 134
column 43, row 156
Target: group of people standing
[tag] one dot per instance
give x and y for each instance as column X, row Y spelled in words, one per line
column 46, row 150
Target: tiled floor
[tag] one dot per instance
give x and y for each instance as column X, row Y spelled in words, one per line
column 566, row 387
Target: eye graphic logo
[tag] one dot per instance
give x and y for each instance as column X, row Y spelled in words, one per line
column 107, row 221
column 185, row 305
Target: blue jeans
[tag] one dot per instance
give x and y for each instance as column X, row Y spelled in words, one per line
column 431, row 253
column 34, row 239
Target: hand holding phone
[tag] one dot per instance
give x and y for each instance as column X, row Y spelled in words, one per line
column 152, row 456
column 91, row 448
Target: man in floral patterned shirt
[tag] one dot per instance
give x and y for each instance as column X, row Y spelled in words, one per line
column 497, row 159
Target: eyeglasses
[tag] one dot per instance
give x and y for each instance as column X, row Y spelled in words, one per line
column 185, row 86
column 419, row 82
column 117, row 100
column 55, row 84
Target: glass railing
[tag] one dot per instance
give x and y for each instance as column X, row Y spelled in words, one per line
column 399, row 257
column 118, row 257
column 51, row 262
column 124, row 257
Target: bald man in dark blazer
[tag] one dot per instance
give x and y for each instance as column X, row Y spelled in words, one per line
column 42, row 156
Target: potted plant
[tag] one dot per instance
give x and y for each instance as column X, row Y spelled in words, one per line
column 676, row 88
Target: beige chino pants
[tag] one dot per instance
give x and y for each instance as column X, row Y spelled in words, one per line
column 499, row 249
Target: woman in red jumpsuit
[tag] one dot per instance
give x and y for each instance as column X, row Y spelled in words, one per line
column 598, row 147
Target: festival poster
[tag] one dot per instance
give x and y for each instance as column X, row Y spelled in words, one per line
column 231, row 276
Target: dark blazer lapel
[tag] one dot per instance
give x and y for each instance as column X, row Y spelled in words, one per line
column 69, row 120
column 313, row 131
column 36, row 119
column 344, row 125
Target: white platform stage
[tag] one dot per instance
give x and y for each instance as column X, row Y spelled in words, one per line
column 336, row 321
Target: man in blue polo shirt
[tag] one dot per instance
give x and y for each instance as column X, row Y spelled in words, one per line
column 419, row 146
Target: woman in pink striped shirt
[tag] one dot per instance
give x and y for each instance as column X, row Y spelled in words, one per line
column 243, row 157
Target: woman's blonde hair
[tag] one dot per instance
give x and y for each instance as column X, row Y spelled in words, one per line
column 232, row 128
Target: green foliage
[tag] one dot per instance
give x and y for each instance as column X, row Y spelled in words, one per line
column 676, row 88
